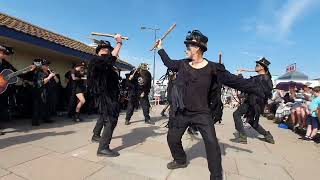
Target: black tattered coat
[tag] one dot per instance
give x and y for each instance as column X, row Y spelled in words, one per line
column 103, row 84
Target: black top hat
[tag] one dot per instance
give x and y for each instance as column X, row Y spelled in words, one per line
column 7, row 50
column 41, row 62
column 45, row 62
column 103, row 44
column 198, row 39
column 80, row 64
column 264, row 62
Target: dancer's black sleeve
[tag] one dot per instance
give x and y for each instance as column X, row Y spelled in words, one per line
column 173, row 65
column 237, row 82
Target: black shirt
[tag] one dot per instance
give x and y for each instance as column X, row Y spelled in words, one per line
column 38, row 79
column 265, row 82
column 198, row 88
column 198, row 83
column 6, row 65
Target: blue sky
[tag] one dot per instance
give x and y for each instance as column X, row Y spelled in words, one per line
column 284, row 31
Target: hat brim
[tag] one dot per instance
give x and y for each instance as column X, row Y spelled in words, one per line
column 204, row 48
column 103, row 47
column 6, row 50
column 265, row 66
column 79, row 65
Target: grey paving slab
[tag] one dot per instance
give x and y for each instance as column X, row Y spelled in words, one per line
column 141, row 164
column 238, row 177
column 20, row 155
column 263, row 171
column 30, row 153
column 88, row 152
column 56, row 166
column 3, row 172
column 190, row 173
column 64, row 143
column 115, row 173
column 154, row 148
column 11, row 177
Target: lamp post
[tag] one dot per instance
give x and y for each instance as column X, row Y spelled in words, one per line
column 154, row 54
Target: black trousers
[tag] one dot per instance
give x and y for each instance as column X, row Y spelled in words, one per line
column 4, row 108
column 208, row 133
column 242, row 110
column 109, row 126
column 41, row 109
column 145, row 105
column 98, row 127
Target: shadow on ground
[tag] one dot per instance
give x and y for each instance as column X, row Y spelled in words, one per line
column 138, row 136
column 10, row 141
column 198, row 149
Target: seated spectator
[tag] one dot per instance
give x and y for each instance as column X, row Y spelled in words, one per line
column 299, row 108
column 313, row 121
column 274, row 103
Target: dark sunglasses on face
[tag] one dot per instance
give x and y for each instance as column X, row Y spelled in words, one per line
column 189, row 47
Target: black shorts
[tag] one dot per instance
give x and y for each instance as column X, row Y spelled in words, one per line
column 80, row 89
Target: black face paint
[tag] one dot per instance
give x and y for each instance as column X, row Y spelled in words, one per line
column 105, row 55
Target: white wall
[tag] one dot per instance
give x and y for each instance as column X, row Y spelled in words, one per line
column 24, row 54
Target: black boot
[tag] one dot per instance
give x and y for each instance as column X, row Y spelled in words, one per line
column 127, row 122
column 35, row 123
column 175, row 165
column 241, row 138
column 269, row 138
column 95, row 138
column 107, row 152
column 49, row 121
column 148, row 121
column 76, row 117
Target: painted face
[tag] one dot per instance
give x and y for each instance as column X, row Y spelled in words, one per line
column 258, row 67
column 104, row 51
column 191, row 50
column 2, row 55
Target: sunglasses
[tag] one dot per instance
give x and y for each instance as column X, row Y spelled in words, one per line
column 189, row 47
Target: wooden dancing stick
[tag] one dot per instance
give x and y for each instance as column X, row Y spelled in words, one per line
column 220, row 57
column 107, row 35
column 246, row 70
column 164, row 36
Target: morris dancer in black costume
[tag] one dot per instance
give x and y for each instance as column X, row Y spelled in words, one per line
column 171, row 77
column 253, row 106
column 196, row 80
column 140, row 80
column 103, row 84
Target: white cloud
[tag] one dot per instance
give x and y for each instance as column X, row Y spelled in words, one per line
column 280, row 19
column 291, row 12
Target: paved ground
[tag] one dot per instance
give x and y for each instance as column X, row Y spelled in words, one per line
column 63, row 151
